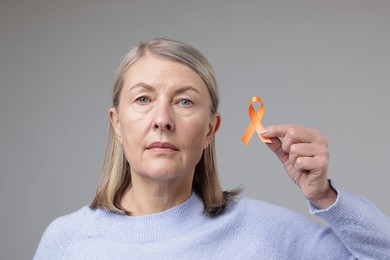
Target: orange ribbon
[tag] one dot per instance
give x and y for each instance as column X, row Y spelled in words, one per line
column 255, row 122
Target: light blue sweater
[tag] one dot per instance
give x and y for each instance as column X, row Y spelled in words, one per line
column 248, row 229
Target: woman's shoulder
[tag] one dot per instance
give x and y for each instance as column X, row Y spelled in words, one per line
column 263, row 220
column 257, row 205
column 61, row 231
column 262, row 211
column 70, row 222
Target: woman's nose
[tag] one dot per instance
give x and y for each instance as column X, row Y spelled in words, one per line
column 163, row 119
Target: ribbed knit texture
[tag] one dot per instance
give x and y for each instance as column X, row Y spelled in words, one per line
column 248, row 229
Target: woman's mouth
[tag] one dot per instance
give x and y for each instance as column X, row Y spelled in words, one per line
column 162, row 146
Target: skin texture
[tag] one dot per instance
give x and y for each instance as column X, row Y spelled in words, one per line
column 305, row 156
column 164, row 123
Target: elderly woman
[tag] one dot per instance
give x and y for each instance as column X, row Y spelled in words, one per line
column 160, row 197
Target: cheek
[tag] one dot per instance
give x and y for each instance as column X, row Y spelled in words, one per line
column 133, row 132
column 195, row 133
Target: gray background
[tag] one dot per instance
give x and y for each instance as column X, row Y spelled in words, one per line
column 322, row 64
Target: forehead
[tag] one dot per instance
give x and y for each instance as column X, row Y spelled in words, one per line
column 154, row 70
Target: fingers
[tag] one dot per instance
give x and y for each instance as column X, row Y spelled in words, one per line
column 306, row 150
column 276, row 147
column 292, row 134
column 310, row 164
column 297, row 142
column 304, row 154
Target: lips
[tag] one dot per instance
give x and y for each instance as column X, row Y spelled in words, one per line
column 160, row 145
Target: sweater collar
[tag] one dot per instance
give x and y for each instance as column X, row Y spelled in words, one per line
column 163, row 225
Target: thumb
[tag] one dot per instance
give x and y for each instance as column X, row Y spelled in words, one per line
column 276, row 147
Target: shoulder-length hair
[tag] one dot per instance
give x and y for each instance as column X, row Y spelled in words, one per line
column 116, row 177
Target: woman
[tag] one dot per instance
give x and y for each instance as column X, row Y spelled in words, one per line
column 160, row 196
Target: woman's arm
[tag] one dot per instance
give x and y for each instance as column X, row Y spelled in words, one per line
column 361, row 227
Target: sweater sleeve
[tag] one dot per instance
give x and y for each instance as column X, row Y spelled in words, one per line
column 363, row 228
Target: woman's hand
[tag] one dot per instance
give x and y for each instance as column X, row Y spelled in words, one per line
column 305, row 156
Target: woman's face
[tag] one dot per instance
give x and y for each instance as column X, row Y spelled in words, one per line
column 164, row 120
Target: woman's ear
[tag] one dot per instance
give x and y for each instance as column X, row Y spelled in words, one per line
column 115, row 123
column 214, row 124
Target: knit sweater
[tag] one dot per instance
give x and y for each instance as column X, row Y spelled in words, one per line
column 248, row 229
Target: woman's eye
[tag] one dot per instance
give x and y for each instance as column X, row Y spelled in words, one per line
column 185, row 102
column 143, row 100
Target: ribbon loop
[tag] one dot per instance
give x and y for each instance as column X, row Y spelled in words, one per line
column 255, row 124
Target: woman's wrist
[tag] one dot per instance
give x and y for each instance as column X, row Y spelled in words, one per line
column 326, row 200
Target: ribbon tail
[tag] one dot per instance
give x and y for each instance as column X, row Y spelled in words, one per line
column 248, row 134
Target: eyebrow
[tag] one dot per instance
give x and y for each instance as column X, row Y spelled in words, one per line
column 177, row 91
column 141, row 85
column 186, row 88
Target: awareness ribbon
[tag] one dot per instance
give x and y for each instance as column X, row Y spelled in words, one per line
column 255, row 123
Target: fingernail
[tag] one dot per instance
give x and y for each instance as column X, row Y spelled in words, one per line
column 263, row 132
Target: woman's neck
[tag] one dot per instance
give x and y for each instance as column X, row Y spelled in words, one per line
column 148, row 196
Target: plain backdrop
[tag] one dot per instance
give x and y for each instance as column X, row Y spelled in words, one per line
column 322, row 64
